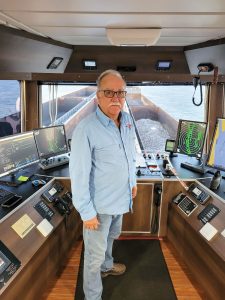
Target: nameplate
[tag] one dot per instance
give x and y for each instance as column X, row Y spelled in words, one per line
column 223, row 233
column 23, row 226
column 208, row 231
column 45, row 227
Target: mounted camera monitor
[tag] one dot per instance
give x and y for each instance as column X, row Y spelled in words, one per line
column 54, row 63
column 163, row 65
column 191, row 138
column 216, row 157
column 89, row 64
column 170, row 146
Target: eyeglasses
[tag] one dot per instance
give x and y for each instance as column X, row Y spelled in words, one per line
column 111, row 94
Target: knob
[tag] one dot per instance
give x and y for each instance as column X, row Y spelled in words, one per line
column 139, row 172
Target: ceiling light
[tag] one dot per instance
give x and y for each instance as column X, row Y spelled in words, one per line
column 54, row 63
column 133, row 36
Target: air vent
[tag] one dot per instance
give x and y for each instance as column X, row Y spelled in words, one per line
column 126, row 68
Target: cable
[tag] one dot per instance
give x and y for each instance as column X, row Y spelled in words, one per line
column 172, row 169
column 196, row 82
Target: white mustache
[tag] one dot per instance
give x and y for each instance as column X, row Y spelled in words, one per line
column 117, row 104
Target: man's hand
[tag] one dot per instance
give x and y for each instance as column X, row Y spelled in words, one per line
column 91, row 224
column 134, row 191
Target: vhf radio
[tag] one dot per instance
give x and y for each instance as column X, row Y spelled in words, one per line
column 199, row 194
column 60, row 203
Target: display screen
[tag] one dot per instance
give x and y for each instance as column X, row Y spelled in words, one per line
column 89, row 64
column 169, row 147
column 17, row 151
column 190, row 138
column 163, row 65
column 216, row 157
column 50, row 141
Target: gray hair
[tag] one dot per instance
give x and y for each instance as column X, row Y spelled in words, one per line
column 108, row 72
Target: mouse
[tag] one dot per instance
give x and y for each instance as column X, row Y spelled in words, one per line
column 38, row 182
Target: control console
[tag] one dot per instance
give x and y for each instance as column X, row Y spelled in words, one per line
column 54, row 161
column 208, row 213
column 151, row 168
column 197, row 192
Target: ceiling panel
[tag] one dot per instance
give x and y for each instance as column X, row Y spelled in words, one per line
column 115, row 20
column 85, row 22
column 115, row 6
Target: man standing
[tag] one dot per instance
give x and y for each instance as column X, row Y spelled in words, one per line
column 102, row 171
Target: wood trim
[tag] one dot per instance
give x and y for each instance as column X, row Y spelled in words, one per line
column 31, row 106
column 138, row 77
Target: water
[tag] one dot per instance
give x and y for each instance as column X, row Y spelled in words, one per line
column 176, row 100
column 9, row 97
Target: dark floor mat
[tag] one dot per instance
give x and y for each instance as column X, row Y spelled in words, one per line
column 146, row 277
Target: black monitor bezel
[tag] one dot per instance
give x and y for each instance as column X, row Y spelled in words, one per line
column 170, row 140
column 50, row 155
column 89, row 68
column 178, row 130
column 25, row 165
column 158, row 67
column 210, row 148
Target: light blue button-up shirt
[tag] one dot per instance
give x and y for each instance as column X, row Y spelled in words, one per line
column 102, row 165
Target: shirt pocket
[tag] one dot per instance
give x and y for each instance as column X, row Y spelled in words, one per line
column 107, row 153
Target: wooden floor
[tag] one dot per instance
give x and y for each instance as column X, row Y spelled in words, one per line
column 185, row 287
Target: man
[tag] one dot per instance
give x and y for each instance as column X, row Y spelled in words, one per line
column 102, row 171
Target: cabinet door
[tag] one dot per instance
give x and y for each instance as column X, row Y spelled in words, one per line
column 139, row 220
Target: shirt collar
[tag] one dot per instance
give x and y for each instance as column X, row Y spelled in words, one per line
column 104, row 119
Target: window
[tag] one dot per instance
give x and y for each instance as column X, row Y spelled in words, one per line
column 157, row 110
column 10, row 117
column 60, row 101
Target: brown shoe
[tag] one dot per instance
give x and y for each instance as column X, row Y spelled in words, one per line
column 117, row 269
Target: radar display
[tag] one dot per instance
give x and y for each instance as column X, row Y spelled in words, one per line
column 191, row 137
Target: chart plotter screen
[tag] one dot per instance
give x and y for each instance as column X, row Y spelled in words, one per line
column 190, row 137
column 216, row 158
column 17, row 151
column 50, row 141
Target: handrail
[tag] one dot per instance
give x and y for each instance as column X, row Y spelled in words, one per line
column 65, row 118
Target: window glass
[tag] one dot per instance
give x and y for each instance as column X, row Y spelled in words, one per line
column 10, row 117
column 60, row 102
column 157, row 110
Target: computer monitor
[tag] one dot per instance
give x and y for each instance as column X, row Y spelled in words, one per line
column 16, row 151
column 191, row 138
column 170, row 146
column 50, row 141
column 216, row 157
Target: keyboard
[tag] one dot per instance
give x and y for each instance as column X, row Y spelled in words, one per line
column 194, row 168
column 5, row 195
column 187, row 205
column 208, row 213
column 44, row 210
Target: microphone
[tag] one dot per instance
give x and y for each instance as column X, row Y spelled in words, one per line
column 215, row 182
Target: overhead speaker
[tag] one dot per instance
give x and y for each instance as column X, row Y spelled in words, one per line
column 126, row 68
column 133, row 36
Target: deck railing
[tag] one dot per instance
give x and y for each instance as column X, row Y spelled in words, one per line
column 75, row 110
